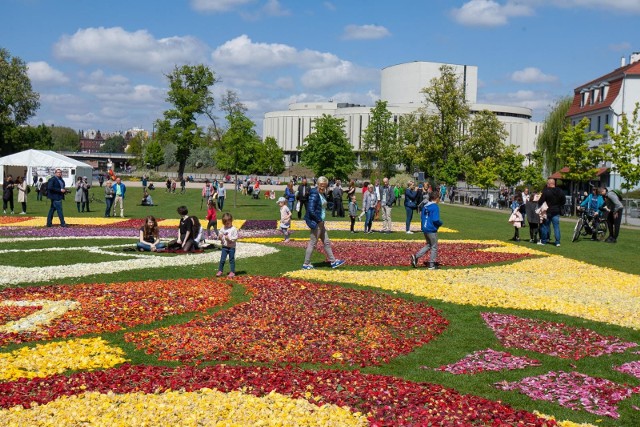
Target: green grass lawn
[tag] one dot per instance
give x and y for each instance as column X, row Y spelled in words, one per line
column 465, row 334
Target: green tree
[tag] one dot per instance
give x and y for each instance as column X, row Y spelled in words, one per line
column 484, row 174
column 26, row 137
column 486, row 136
column 442, row 132
column 532, row 174
column 408, row 140
column 549, row 138
column 510, row 169
column 624, row 150
column 575, row 153
column 153, row 154
column 65, row 139
column 380, row 141
column 136, row 147
column 190, row 94
column 269, row 157
column 18, row 101
column 327, row 150
column 113, row 144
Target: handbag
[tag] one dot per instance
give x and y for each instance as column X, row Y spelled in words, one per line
column 28, row 189
column 298, row 206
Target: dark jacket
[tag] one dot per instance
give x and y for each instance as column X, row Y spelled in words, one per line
column 390, row 196
column 555, row 199
column 307, row 191
column 313, row 216
column 54, row 189
column 410, row 196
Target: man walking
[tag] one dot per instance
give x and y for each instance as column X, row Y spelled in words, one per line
column 55, row 193
column 303, row 196
column 387, row 199
column 555, row 199
column 614, row 207
column 119, row 189
column 338, row 209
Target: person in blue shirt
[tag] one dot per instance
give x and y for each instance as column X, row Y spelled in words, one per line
column 430, row 220
column 315, row 219
column 55, row 193
column 119, row 189
column 593, row 204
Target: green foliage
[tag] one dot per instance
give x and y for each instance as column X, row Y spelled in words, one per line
column 189, row 93
column 624, row 151
column 549, row 138
column 136, row 147
column 408, row 140
column 64, row 139
column 486, row 136
column 113, row 144
column 235, row 153
column 153, row 154
column 201, row 156
column 27, row 137
column 484, row 174
column 510, row 170
column 169, row 155
column 327, row 150
column 532, row 174
column 575, row 153
column 380, row 140
column 269, row 157
column 18, row 102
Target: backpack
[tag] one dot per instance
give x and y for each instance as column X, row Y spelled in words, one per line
column 619, row 194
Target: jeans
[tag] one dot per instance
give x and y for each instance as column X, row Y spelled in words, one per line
column 409, row 217
column 220, row 202
column 7, row 201
column 231, row 252
column 147, row 246
column 432, row 243
column 545, row 229
column 368, row 221
column 290, row 204
column 613, row 224
column 56, row 205
column 319, row 233
column 108, row 201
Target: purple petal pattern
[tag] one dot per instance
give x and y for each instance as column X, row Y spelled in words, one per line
column 488, row 360
column 630, row 368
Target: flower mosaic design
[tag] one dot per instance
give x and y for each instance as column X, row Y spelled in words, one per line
column 290, row 321
column 573, row 390
column 559, row 285
column 396, row 253
column 396, row 226
column 488, row 360
column 54, row 358
column 112, row 307
column 386, row 401
column 552, row 338
column 630, row 368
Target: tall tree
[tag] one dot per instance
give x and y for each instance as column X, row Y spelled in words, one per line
column 113, row 144
column 230, row 104
column 576, row 154
column 510, row 167
column 380, row 140
column 65, row 139
column 190, row 94
column 327, row 150
column 153, row 154
column 486, row 136
column 408, row 140
column 445, row 119
column 532, row 174
column 269, row 157
column 136, row 147
column 484, row 174
column 549, row 139
column 624, row 150
column 18, row 101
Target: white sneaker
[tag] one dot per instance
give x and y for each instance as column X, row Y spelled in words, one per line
column 409, row 232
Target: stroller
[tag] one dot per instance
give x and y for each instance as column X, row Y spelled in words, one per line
column 256, row 193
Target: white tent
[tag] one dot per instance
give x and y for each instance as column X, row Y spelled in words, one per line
column 42, row 164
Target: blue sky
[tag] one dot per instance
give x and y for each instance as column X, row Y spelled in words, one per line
column 102, row 64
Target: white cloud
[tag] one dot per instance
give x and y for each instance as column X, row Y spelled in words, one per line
column 139, row 50
column 532, row 75
column 274, row 8
column 285, row 83
column 43, row 73
column 218, row 5
column 344, row 73
column 365, row 32
column 632, row 6
column 488, row 13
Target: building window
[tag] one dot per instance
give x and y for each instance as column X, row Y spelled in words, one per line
column 599, row 124
column 592, row 96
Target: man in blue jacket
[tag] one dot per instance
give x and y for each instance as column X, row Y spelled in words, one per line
column 55, row 193
column 119, row 189
column 430, row 220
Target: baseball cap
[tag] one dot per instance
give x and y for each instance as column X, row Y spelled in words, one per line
column 281, row 199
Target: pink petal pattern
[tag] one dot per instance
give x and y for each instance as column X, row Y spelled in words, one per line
column 630, row 368
column 488, row 360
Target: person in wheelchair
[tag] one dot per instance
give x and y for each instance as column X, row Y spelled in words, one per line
column 593, row 205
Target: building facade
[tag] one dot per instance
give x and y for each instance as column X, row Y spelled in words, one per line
column 605, row 99
column 401, row 87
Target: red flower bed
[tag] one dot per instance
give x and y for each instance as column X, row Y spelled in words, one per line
column 554, row 339
column 116, row 306
column 10, row 313
column 291, row 321
column 364, row 252
column 13, row 219
column 389, row 401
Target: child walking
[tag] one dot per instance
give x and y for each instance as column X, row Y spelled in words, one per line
column 285, row 218
column 228, row 236
column 532, row 217
column 430, row 222
column 212, row 217
column 517, row 207
column 353, row 211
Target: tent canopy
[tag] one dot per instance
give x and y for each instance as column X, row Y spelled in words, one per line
column 42, row 164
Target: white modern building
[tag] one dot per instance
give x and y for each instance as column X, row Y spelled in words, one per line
column 400, row 87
